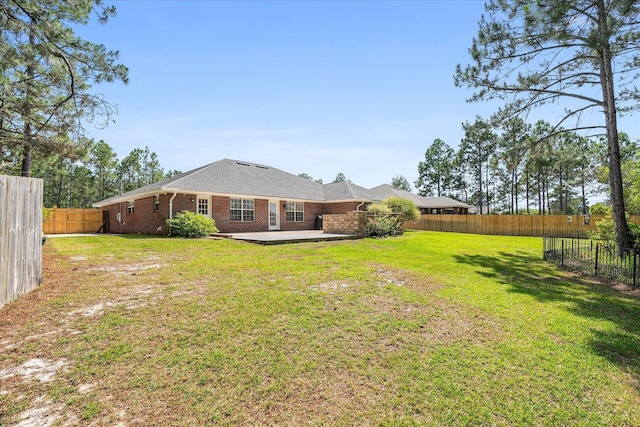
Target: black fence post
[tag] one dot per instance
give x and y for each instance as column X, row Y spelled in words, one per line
column 597, row 247
column 562, row 254
column 635, row 254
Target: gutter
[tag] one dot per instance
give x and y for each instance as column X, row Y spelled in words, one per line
column 171, row 204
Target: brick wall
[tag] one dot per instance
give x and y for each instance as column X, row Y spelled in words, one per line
column 311, row 211
column 341, row 207
column 146, row 220
column 221, row 208
column 182, row 202
column 221, row 213
column 348, row 223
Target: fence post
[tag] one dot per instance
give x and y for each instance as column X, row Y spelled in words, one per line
column 562, row 254
column 597, row 247
column 635, row 253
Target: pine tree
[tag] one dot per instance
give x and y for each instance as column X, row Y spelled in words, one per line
column 532, row 54
column 435, row 173
column 46, row 73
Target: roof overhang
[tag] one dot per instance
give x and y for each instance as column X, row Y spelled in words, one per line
column 155, row 192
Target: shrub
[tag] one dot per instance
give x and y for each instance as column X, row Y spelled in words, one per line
column 47, row 213
column 606, row 232
column 387, row 218
column 379, row 209
column 403, row 206
column 634, row 233
column 600, row 209
column 191, row 225
column 383, row 226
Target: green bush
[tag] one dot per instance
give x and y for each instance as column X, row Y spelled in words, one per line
column 606, row 232
column 379, row 209
column 403, row 206
column 383, row 226
column 387, row 218
column 191, row 225
column 600, row 209
column 634, row 233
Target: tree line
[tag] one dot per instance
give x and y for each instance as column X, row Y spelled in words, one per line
column 521, row 168
column 95, row 175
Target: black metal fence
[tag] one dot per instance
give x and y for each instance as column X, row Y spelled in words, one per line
column 593, row 258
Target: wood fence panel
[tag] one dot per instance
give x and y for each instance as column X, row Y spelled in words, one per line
column 71, row 221
column 20, row 236
column 511, row 225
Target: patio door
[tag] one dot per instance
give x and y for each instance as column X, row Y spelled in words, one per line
column 274, row 215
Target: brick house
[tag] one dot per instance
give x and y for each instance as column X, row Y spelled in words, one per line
column 240, row 197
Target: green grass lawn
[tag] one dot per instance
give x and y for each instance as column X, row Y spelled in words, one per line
column 425, row 329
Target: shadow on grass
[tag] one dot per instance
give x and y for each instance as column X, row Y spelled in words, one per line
column 527, row 274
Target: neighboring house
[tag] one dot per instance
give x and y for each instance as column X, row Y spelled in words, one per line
column 427, row 205
column 240, row 197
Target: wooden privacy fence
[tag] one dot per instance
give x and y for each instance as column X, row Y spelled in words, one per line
column 20, row 236
column 511, row 225
column 70, row 221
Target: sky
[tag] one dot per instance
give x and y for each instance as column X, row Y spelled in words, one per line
column 317, row 87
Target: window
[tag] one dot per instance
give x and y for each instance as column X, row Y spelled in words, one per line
column 131, row 207
column 156, row 203
column 295, row 211
column 241, row 210
column 203, row 205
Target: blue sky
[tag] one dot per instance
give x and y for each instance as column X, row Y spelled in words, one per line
column 357, row 87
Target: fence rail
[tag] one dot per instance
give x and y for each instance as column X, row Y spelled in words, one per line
column 70, row 221
column 511, row 225
column 20, row 236
column 593, row 258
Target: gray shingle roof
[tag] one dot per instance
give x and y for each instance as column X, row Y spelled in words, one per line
column 238, row 178
column 383, row 191
column 231, row 177
column 346, row 191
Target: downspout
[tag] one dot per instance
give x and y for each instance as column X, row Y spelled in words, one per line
column 171, row 204
column 358, row 207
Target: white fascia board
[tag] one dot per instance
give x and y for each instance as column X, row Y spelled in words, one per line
column 138, row 196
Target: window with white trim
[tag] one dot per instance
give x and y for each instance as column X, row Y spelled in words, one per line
column 241, row 210
column 131, row 207
column 156, row 203
column 295, row 211
column 203, row 205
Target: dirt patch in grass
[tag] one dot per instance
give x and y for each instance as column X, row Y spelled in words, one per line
column 38, row 322
column 329, row 398
column 41, row 413
column 40, row 370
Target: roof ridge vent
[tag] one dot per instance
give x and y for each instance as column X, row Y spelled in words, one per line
column 243, row 164
column 262, row 166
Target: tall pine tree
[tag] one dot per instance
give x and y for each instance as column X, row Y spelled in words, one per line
column 46, row 73
column 533, row 53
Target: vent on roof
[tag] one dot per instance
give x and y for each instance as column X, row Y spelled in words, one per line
column 262, row 166
column 243, row 164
